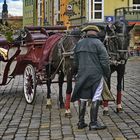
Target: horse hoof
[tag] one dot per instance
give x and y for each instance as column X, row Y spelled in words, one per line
column 105, row 113
column 119, row 110
column 68, row 114
column 49, row 106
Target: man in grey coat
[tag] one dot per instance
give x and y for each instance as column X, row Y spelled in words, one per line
column 92, row 62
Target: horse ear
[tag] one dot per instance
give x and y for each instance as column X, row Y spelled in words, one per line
column 107, row 28
column 101, row 27
column 130, row 27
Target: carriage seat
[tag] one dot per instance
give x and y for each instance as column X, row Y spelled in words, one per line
column 35, row 36
column 38, row 36
column 39, row 33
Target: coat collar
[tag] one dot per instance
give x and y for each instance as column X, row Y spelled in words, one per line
column 91, row 36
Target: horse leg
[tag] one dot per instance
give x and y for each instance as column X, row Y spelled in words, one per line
column 120, row 75
column 48, row 82
column 49, row 102
column 108, row 81
column 105, row 102
column 68, row 95
column 61, row 81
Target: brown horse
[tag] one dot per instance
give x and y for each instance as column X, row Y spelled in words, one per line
column 60, row 62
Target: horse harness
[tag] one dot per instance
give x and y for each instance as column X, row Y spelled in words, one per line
column 63, row 54
column 117, row 54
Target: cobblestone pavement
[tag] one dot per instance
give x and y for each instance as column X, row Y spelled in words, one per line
column 21, row 121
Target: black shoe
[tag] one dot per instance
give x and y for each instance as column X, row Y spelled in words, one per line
column 81, row 125
column 105, row 113
column 82, row 109
column 96, row 126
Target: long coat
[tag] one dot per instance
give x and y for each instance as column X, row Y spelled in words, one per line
column 92, row 61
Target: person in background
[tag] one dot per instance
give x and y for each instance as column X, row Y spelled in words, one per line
column 92, row 62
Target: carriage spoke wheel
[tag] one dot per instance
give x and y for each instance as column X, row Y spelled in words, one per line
column 29, row 84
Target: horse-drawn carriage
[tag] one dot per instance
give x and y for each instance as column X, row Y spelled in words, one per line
column 23, row 58
column 50, row 47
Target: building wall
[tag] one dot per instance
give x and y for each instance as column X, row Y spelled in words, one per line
column 47, row 13
column 79, row 8
column 39, row 12
column 111, row 5
column 108, row 10
column 50, row 12
column 28, row 13
column 56, row 11
column 63, row 16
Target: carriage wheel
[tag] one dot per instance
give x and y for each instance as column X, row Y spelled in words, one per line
column 29, row 84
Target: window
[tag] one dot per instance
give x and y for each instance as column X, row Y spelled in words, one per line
column 98, row 6
column 28, row 2
column 96, row 10
column 98, row 15
column 136, row 1
column 136, row 4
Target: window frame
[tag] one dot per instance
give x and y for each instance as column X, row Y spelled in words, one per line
column 136, row 6
column 93, row 11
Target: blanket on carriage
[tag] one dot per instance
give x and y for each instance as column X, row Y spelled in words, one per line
column 3, row 49
column 48, row 46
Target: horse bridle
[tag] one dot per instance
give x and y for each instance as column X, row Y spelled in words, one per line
column 115, row 54
column 63, row 54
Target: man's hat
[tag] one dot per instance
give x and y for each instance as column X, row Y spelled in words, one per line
column 91, row 28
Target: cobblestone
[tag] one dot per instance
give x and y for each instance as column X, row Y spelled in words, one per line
column 21, row 121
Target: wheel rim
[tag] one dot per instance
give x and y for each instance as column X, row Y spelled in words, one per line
column 29, row 84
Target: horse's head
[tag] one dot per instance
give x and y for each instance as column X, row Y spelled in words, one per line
column 70, row 39
column 68, row 53
column 117, row 40
column 122, row 30
column 123, row 34
column 64, row 49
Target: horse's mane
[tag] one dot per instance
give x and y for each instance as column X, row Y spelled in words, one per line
column 63, row 49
